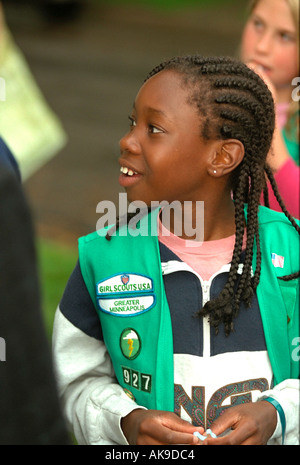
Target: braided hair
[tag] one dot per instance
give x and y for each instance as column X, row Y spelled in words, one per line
column 234, row 103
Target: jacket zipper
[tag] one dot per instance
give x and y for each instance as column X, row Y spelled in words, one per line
column 172, row 267
column 206, row 326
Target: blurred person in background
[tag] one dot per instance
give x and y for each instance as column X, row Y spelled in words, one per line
column 29, row 406
column 28, row 125
column 270, row 45
column 60, row 9
column 8, row 160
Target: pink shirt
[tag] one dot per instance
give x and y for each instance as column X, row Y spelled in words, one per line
column 206, row 258
column 281, row 114
column 287, row 177
column 288, row 181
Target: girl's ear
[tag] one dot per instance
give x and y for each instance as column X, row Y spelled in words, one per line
column 226, row 158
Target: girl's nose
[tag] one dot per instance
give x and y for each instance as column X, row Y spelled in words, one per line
column 129, row 143
column 264, row 43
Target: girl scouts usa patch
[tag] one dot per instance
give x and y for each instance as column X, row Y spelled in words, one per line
column 125, row 283
column 125, row 294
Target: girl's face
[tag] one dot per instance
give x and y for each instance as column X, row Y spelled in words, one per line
column 163, row 148
column 269, row 41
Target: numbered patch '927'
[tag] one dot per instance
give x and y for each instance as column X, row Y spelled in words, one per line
column 137, row 380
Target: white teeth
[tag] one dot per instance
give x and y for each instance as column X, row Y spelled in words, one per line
column 127, row 171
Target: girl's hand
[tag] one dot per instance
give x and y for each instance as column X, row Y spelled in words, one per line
column 251, row 424
column 156, row 427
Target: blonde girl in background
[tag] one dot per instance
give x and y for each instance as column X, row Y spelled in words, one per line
column 270, row 44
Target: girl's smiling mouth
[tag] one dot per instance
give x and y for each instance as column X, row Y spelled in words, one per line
column 128, row 176
column 127, row 171
column 261, row 67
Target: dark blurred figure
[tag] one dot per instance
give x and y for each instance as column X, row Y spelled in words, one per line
column 61, row 9
column 7, row 158
column 29, row 407
column 55, row 9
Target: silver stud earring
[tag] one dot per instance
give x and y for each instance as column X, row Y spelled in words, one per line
column 215, row 172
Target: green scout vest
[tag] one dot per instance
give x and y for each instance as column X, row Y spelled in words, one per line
column 124, row 279
column 279, row 300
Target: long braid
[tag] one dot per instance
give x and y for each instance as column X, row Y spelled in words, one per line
column 220, row 308
column 124, row 220
column 121, row 221
column 271, row 178
column 247, row 291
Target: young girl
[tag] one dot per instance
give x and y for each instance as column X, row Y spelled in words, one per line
column 157, row 338
column 270, row 43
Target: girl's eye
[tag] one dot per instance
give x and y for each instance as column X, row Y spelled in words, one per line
column 286, row 37
column 154, row 129
column 132, row 121
column 258, row 24
column 151, row 128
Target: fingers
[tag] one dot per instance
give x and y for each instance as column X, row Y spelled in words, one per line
column 225, row 422
column 176, row 423
column 245, row 424
column 233, row 438
column 165, row 436
column 162, row 428
column 179, row 431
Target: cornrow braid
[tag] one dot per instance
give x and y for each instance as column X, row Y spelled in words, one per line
column 233, row 102
column 271, row 178
column 122, row 221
